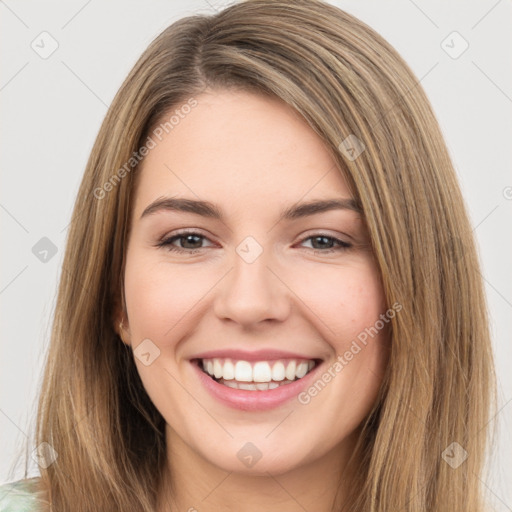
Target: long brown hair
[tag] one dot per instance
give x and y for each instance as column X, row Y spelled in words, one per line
column 345, row 80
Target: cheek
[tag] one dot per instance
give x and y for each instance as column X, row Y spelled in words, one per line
column 158, row 298
column 350, row 308
column 346, row 299
column 146, row 303
column 158, row 303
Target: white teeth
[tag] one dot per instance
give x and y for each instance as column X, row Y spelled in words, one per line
column 278, row 371
column 243, row 371
column 254, row 386
column 261, row 374
column 302, row 369
column 228, row 370
column 290, row 370
column 249, row 387
column 217, row 369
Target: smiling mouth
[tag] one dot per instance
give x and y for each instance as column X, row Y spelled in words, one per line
column 256, row 375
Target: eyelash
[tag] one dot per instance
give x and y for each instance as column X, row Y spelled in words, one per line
column 167, row 243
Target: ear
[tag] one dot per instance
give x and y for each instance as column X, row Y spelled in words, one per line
column 121, row 326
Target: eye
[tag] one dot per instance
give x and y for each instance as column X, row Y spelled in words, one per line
column 327, row 244
column 190, row 242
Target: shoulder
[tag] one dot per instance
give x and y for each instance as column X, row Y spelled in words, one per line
column 21, row 496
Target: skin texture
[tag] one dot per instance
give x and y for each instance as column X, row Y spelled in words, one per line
column 252, row 156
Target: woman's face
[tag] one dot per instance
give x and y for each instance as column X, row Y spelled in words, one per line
column 254, row 286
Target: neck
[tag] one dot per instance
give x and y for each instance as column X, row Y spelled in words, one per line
column 192, row 483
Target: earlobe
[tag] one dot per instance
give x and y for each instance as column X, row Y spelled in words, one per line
column 118, row 319
column 123, row 333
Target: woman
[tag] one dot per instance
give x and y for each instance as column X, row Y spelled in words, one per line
column 322, row 344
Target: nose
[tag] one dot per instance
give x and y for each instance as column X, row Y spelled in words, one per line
column 252, row 293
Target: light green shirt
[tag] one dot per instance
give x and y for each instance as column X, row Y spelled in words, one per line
column 20, row 496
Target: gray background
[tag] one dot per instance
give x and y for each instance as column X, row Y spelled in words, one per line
column 52, row 108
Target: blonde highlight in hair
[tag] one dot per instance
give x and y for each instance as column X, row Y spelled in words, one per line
column 344, row 79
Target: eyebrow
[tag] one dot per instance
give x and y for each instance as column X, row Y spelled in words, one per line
column 210, row 210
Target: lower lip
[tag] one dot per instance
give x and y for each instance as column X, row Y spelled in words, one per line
column 254, row 400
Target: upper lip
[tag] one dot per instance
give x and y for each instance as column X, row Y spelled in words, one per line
column 257, row 355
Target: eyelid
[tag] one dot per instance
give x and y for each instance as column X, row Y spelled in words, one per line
column 342, row 237
column 185, row 231
column 162, row 241
column 340, row 243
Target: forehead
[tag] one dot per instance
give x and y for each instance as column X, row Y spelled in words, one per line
column 240, row 149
